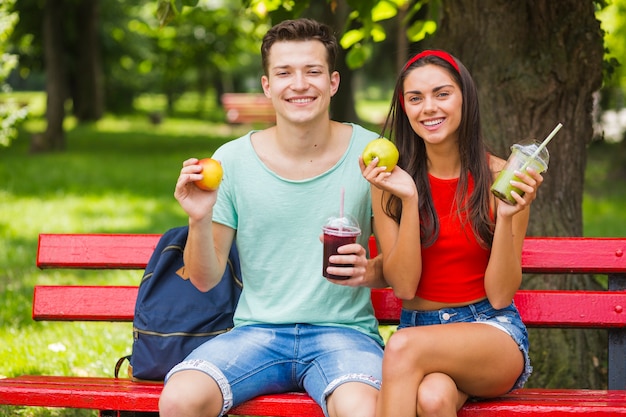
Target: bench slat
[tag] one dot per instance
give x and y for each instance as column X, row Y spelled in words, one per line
column 574, row 255
column 550, row 402
column 95, row 251
column 79, row 392
column 123, row 251
column 84, row 303
column 538, row 308
column 123, row 394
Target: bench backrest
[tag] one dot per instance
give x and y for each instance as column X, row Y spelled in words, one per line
column 538, row 308
column 574, row 309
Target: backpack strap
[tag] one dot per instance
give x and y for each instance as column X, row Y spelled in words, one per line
column 119, row 364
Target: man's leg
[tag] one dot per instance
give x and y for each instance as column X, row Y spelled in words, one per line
column 344, row 370
column 352, row 399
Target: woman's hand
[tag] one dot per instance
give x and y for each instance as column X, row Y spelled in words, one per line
column 397, row 182
column 530, row 182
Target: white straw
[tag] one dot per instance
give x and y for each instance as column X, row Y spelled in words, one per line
column 545, row 142
column 540, row 147
column 343, row 191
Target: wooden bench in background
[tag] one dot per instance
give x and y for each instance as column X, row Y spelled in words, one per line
column 548, row 309
column 248, row 108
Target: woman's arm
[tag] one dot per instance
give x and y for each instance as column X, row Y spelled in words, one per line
column 503, row 276
column 400, row 243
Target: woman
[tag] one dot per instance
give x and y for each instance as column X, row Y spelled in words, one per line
column 451, row 251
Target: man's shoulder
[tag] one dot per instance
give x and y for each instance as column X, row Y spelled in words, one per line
column 362, row 132
column 234, row 146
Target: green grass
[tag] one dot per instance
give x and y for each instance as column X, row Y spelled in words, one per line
column 118, row 175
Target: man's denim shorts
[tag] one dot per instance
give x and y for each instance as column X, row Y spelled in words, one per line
column 507, row 319
column 266, row 359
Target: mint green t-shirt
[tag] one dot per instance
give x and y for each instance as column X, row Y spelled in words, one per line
column 278, row 224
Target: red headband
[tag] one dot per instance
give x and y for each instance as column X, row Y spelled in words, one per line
column 429, row 52
column 441, row 54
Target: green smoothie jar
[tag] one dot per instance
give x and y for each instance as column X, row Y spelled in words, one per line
column 522, row 156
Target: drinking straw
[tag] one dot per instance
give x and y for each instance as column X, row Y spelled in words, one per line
column 543, row 145
column 341, row 219
column 343, row 192
column 545, row 142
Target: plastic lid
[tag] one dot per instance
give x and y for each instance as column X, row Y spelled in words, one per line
column 529, row 147
column 340, row 225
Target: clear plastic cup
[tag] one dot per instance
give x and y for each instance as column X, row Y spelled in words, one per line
column 338, row 231
column 519, row 160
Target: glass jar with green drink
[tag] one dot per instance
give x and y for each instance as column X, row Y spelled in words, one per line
column 523, row 155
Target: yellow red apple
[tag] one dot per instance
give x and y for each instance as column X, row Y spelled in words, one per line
column 212, row 173
column 386, row 152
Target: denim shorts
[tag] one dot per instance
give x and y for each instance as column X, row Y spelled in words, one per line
column 507, row 319
column 267, row 359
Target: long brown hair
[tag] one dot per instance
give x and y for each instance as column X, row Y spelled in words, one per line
column 472, row 150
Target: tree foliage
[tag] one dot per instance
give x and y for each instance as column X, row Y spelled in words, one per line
column 362, row 28
column 11, row 112
column 613, row 17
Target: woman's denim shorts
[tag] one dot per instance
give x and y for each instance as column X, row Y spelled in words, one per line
column 507, row 319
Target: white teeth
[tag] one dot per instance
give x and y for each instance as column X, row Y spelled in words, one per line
column 433, row 122
column 301, row 100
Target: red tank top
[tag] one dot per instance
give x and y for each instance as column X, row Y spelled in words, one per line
column 453, row 268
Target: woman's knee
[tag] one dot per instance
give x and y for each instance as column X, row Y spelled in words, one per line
column 402, row 353
column 437, row 395
column 190, row 393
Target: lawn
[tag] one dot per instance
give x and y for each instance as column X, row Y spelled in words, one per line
column 118, row 175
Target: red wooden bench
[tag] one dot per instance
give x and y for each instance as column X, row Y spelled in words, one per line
column 593, row 309
column 248, row 108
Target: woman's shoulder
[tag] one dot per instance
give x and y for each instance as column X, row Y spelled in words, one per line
column 496, row 164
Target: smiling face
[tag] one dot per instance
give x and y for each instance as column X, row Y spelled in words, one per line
column 299, row 81
column 433, row 102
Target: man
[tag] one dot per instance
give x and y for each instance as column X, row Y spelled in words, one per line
column 294, row 330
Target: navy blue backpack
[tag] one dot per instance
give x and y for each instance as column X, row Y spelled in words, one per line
column 172, row 317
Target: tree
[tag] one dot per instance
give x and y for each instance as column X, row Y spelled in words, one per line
column 56, row 83
column 64, row 36
column 537, row 64
column 88, row 90
column 208, row 47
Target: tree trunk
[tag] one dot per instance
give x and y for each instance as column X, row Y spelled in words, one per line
column 537, row 63
column 54, row 136
column 88, row 89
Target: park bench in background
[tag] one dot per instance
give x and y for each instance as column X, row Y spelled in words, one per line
column 546, row 309
column 248, row 108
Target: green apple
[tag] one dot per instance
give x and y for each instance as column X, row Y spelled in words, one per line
column 211, row 174
column 386, row 152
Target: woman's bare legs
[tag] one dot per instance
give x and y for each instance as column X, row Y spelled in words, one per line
column 438, row 396
column 480, row 359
